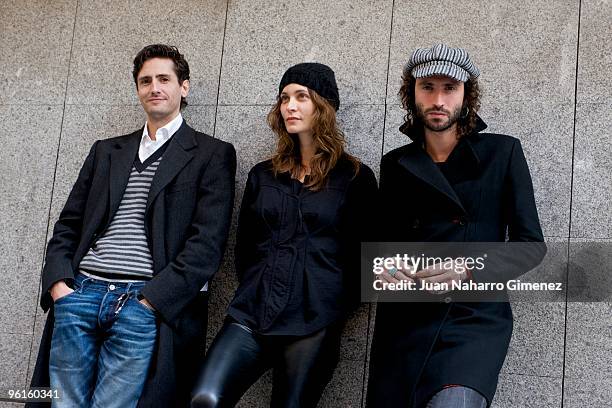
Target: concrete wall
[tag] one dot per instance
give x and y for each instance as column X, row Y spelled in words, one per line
column 65, row 81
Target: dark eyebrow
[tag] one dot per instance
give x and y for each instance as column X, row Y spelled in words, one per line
column 156, row 76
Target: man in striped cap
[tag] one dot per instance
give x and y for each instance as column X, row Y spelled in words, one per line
column 140, row 236
column 441, row 68
column 453, row 183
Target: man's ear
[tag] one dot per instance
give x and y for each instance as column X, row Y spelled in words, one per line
column 185, row 88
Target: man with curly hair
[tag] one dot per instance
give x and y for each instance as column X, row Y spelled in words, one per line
column 453, row 183
column 142, row 233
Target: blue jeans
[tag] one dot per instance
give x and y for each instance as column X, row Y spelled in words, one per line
column 457, row 397
column 102, row 343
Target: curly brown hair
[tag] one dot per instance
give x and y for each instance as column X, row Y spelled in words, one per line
column 329, row 141
column 471, row 100
column 181, row 67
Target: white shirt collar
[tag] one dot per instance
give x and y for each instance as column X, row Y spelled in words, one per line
column 163, row 134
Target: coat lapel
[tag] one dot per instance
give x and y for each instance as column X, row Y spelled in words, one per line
column 418, row 162
column 463, row 162
column 121, row 163
column 174, row 159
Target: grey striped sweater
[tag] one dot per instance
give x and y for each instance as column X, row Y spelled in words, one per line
column 122, row 253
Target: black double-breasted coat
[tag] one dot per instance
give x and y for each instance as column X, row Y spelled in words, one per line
column 187, row 220
column 487, row 195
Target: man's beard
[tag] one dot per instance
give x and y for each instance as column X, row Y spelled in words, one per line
column 438, row 125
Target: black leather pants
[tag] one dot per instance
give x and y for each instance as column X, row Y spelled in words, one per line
column 302, row 366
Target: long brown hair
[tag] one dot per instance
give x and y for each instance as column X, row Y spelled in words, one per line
column 328, row 139
column 471, row 101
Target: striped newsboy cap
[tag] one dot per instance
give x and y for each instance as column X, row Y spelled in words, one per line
column 441, row 60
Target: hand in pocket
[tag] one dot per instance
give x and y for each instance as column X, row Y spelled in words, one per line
column 59, row 290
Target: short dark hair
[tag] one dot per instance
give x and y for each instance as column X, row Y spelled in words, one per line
column 471, row 100
column 181, row 67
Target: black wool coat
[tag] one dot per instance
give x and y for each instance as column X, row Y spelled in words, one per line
column 418, row 348
column 297, row 250
column 187, row 220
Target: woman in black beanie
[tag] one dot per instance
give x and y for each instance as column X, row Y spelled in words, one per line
column 303, row 214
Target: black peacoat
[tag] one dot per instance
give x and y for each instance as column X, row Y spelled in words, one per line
column 187, row 220
column 487, row 195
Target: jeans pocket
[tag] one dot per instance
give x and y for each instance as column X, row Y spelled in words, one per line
column 65, row 297
column 143, row 306
column 78, row 286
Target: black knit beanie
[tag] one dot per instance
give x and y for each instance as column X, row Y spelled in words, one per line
column 318, row 77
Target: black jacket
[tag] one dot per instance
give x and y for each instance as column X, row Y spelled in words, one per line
column 420, row 347
column 297, row 250
column 186, row 222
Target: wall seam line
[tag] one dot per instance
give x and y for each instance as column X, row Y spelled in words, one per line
column 59, row 143
column 214, row 130
column 382, row 151
column 567, row 269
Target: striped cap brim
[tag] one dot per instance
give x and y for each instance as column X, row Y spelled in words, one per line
column 445, row 68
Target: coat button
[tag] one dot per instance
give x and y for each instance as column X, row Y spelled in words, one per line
column 459, row 220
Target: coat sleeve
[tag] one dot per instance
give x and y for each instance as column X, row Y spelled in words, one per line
column 67, row 232
column 522, row 214
column 176, row 285
column 245, row 249
column 359, row 225
column 525, row 249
